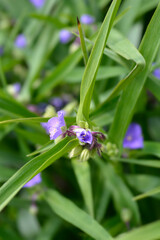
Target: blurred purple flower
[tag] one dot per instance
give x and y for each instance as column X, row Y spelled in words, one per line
column 33, row 108
column 38, row 3
column 83, row 135
column 21, row 41
column 156, row 73
column 53, row 126
column 65, row 36
column 1, row 51
column 133, row 138
column 57, row 102
column 87, row 19
column 17, row 87
column 34, row 181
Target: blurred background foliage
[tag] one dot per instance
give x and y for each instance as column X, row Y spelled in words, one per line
column 49, row 73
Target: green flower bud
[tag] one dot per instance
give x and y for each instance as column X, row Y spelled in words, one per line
column 75, row 151
column 126, row 215
column 85, row 155
column 49, row 111
column 112, row 150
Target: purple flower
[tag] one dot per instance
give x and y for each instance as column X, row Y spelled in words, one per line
column 87, row 19
column 34, row 181
column 57, row 102
column 65, row 36
column 156, row 73
column 17, row 87
column 53, row 126
column 83, row 135
column 21, row 41
column 133, row 138
column 1, row 51
column 38, row 3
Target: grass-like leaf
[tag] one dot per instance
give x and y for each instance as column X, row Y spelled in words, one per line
column 67, row 210
column 125, row 107
column 94, row 60
column 33, row 167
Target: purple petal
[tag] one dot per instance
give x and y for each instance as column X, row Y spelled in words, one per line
column 156, row 73
column 21, row 41
column 133, row 138
column 34, row 181
column 17, row 87
column 65, row 36
column 83, row 135
column 54, row 133
column 38, row 3
column 61, row 118
column 87, row 19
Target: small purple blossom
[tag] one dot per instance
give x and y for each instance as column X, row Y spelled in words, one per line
column 21, row 41
column 53, row 126
column 84, row 135
column 87, row 19
column 34, row 181
column 17, row 87
column 38, row 3
column 156, row 73
column 133, row 138
column 57, row 102
column 65, row 36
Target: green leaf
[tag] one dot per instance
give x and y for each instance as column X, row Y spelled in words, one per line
column 20, row 120
column 129, row 97
column 59, row 73
column 93, row 63
column 122, row 46
column 33, row 167
column 83, row 44
column 153, row 84
column 142, row 162
column 120, row 192
column 13, row 108
column 148, row 194
column 74, row 215
column 104, row 72
column 148, row 232
column 46, row 43
column 143, row 182
column 152, row 148
column 83, row 175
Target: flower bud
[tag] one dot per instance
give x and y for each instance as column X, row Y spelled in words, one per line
column 85, row 155
column 33, row 209
column 75, row 151
column 126, row 215
column 49, row 111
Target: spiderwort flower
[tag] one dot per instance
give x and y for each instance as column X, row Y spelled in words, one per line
column 65, row 36
column 21, row 41
column 87, row 19
column 53, row 126
column 34, row 181
column 156, row 73
column 38, row 3
column 83, row 135
column 57, row 102
column 133, row 138
column 17, row 87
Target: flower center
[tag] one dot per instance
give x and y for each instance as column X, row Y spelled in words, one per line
column 129, row 138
